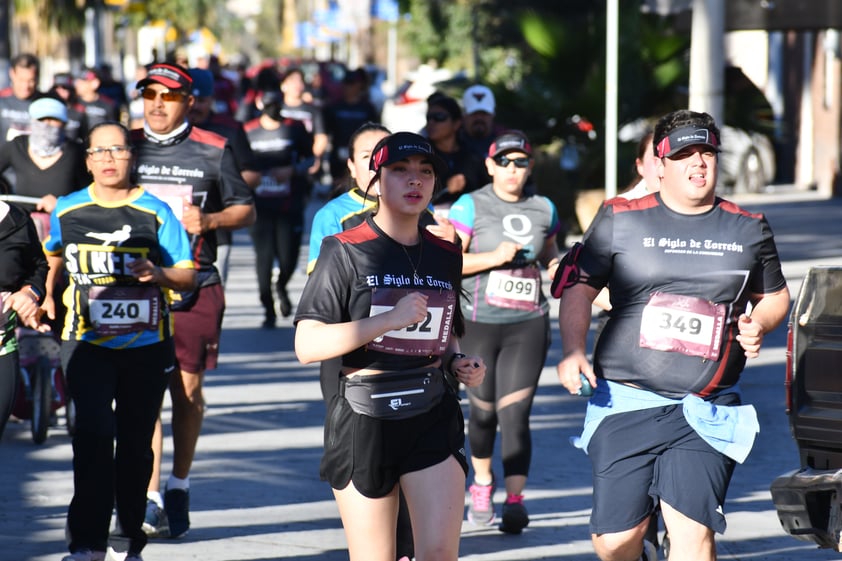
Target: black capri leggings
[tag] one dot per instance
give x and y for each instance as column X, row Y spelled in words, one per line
column 514, row 354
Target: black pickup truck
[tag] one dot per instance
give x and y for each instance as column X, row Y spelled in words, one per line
column 809, row 499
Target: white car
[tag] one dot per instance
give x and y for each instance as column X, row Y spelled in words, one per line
column 406, row 110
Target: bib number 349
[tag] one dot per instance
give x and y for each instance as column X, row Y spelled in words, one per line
column 684, row 324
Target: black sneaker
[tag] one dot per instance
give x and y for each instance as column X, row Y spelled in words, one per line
column 285, row 304
column 177, row 507
column 515, row 516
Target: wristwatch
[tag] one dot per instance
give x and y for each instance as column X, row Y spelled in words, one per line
column 453, row 357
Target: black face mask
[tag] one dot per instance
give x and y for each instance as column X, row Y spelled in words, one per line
column 273, row 111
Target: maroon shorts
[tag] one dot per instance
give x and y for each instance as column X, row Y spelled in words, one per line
column 197, row 331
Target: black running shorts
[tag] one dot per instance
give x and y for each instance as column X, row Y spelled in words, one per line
column 645, row 456
column 374, row 453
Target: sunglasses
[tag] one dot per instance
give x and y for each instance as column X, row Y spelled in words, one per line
column 503, row 162
column 117, row 152
column 166, row 95
column 438, row 117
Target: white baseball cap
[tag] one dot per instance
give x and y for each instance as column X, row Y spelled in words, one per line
column 478, row 98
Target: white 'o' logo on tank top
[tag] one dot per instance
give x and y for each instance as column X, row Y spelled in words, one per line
column 518, row 227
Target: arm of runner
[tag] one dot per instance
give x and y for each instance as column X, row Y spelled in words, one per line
column 767, row 313
column 317, row 341
column 177, row 278
column 574, row 320
column 235, row 216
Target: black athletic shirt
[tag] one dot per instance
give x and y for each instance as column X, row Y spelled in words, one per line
column 640, row 247
column 287, row 145
column 356, row 263
column 67, row 174
column 205, row 163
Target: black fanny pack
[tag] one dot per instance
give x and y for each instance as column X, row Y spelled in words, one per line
column 394, row 396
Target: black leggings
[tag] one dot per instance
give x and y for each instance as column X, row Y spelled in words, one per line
column 9, row 375
column 118, row 393
column 275, row 235
column 514, row 355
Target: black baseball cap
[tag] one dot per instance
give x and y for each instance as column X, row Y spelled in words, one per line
column 400, row 146
column 682, row 137
column 510, row 141
column 172, row 76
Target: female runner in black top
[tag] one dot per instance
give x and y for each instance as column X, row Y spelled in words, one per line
column 385, row 296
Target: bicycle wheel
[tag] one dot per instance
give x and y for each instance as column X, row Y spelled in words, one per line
column 42, row 399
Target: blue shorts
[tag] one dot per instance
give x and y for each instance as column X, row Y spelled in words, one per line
column 642, row 457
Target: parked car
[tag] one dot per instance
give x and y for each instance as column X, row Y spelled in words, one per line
column 406, row 109
column 747, row 161
column 809, row 499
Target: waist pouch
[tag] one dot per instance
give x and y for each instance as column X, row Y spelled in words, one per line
column 394, row 396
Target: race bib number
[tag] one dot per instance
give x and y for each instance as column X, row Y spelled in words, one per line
column 428, row 337
column 683, row 324
column 114, row 310
column 516, row 289
column 176, row 196
column 272, row 189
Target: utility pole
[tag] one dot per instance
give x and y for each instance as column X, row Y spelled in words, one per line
column 707, row 59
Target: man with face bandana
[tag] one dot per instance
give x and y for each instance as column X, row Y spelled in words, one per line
column 283, row 152
column 46, row 164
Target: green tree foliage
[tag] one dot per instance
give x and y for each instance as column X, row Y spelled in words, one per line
column 545, row 60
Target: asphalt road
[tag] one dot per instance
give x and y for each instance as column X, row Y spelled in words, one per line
column 256, row 494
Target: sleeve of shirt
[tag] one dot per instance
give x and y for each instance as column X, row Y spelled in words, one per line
column 5, row 155
column 234, row 189
column 328, row 288
column 462, row 214
column 771, row 277
column 172, row 238
column 595, row 258
column 555, row 223
column 325, row 224
column 52, row 245
column 36, row 274
column 242, row 149
column 318, row 121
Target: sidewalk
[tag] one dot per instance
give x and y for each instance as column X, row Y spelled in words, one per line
column 255, row 489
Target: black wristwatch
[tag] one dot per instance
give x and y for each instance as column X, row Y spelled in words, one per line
column 453, row 357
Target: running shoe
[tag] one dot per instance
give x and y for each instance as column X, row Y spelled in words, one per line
column 85, row 555
column 177, row 508
column 515, row 516
column 650, row 552
column 133, row 557
column 481, row 509
column 155, row 523
column 285, row 304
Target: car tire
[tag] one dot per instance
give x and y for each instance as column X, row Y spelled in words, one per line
column 751, row 177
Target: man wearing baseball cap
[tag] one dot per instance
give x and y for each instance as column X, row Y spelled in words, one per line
column 203, row 115
column 97, row 107
column 681, row 256
column 478, row 126
column 196, row 172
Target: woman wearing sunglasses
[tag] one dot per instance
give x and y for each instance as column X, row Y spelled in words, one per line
column 121, row 248
column 465, row 171
column 506, row 234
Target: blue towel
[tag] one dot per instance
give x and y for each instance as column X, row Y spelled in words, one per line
column 729, row 429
